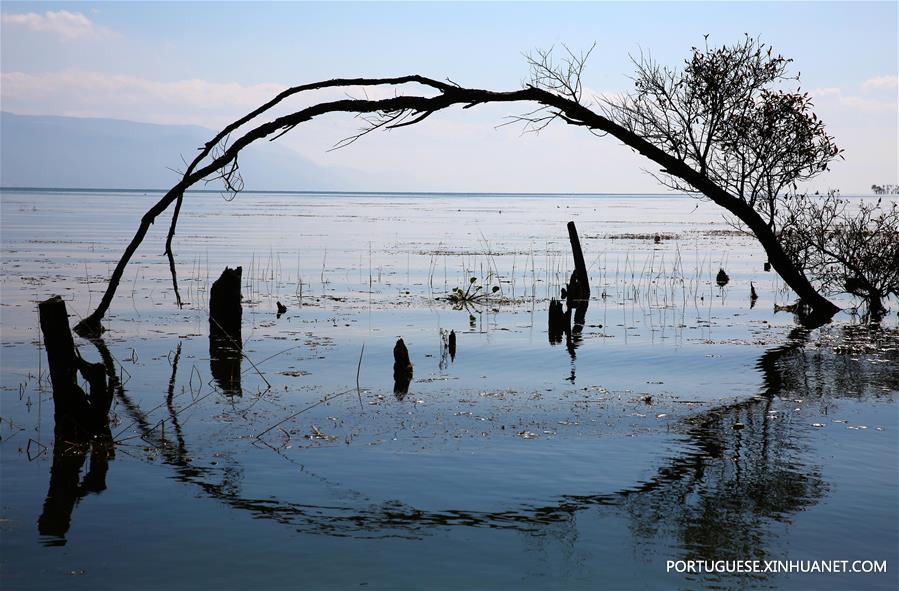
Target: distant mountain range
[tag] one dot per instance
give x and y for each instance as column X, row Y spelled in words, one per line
column 74, row 152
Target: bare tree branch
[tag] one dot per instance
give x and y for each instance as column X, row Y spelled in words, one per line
column 557, row 92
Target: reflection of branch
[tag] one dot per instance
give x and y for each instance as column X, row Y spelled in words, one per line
column 768, row 362
column 169, row 400
column 745, row 476
column 65, row 490
column 168, row 248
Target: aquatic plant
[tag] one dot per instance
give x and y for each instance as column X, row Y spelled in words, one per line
column 472, row 294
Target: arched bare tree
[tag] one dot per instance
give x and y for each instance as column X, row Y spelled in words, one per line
column 721, row 128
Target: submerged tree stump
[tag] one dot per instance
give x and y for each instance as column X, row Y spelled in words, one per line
column 578, row 292
column 451, row 345
column 225, row 340
column 576, row 295
column 722, row 278
column 224, row 305
column 77, row 415
column 402, row 369
column 558, row 321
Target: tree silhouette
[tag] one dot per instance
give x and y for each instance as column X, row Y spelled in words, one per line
column 721, row 128
column 848, row 247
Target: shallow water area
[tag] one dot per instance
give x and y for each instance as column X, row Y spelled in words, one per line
column 685, row 420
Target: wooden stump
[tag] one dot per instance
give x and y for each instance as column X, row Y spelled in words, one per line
column 224, row 306
column 578, row 292
column 76, row 415
column 558, row 321
column 451, row 345
column 225, row 340
column 402, row 369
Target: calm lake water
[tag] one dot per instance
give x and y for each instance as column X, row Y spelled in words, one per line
column 682, row 423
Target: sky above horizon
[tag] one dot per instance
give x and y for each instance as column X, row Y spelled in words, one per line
column 206, row 63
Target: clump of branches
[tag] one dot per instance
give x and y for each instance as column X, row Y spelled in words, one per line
column 229, row 174
column 885, row 189
column 847, row 245
column 730, row 114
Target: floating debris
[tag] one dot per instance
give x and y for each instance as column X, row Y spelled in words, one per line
column 527, row 435
column 317, row 434
column 294, row 373
column 738, row 426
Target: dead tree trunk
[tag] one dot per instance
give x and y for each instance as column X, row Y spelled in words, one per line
column 77, row 415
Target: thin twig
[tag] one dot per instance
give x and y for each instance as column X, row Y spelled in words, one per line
column 299, row 412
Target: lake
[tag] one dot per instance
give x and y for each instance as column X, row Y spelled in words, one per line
column 686, row 421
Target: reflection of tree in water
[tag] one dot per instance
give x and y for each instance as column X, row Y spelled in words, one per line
column 224, row 364
column 717, row 499
column 66, row 486
column 748, row 469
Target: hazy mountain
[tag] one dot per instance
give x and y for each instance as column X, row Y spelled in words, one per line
column 48, row 151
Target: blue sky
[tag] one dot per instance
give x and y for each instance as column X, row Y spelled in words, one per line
column 206, row 63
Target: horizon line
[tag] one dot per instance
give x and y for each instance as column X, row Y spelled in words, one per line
column 340, row 192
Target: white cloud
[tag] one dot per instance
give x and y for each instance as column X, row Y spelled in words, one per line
column 868, row 104
column 455, row 151
column 98, row 94
column 83, row 93
column 830, row 91
column 63, row 24
column 854, row 101
column 881, row 83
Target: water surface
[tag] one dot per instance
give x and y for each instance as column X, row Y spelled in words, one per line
column 517, row 464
